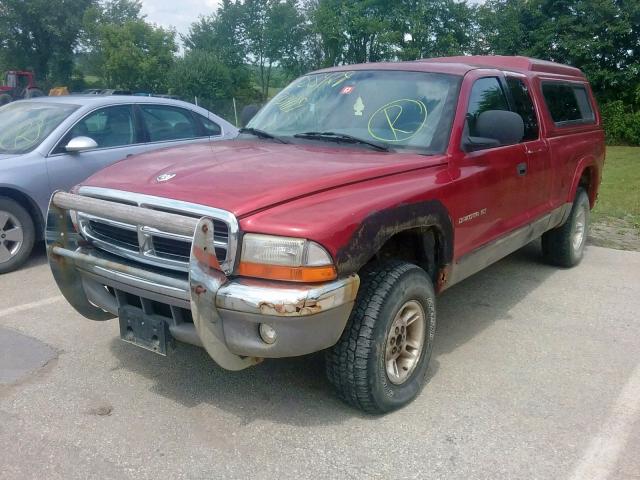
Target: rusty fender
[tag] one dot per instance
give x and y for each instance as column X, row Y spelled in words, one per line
column 380, row 226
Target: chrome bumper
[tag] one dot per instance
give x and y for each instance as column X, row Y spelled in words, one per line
column 226, row 312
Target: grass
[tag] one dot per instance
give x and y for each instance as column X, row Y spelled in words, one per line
column 619, row 196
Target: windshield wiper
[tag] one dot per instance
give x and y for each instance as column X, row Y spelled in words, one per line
column 262, row 134
column 334, row 136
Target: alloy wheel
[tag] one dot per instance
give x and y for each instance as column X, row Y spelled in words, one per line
column 11, row 236
column 404, row 342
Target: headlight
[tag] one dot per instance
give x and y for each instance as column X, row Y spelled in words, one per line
column 285, row 258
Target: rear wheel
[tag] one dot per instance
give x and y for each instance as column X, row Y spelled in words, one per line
column 17, row 235
column 564, row 246
column 380, row 362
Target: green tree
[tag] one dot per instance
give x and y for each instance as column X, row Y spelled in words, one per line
column 221, row 38
column 273, row 33
column 34, row 34
column 355, row 32
column 434, row 28
column 602, row 37
column 220, row 33
column 136, row 55
column 96, row 17
column 203, row 75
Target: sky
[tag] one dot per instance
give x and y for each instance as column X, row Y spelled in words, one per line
column 179, row 14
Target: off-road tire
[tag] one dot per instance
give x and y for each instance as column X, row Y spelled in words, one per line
column 558, row 244
column 28, row 234
column 4, row 99
column 356, row 364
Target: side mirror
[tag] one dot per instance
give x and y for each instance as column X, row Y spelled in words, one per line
column 80, row 144
column 494, row 128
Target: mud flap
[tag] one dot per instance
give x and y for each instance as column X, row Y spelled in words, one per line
column 205, row 278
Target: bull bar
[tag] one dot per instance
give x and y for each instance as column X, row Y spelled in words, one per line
column 226, row 311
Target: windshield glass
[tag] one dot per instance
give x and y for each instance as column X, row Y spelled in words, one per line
column 24, row 125
column 402, row 110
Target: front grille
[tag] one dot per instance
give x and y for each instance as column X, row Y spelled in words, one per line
column 118, row 235
column 152, row 246
column 170, row 248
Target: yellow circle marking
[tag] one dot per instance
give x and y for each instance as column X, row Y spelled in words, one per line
column 392, row 113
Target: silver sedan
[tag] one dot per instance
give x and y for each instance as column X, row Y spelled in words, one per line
column 52, row 143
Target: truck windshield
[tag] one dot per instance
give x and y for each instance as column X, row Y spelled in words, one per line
column 401, row 110
column 24, row 125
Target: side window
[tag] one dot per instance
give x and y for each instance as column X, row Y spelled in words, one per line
column 568, row 103
column 108, row 127
column 168, row 123
column 211, row 128
column 486, row 94
column 523, row 106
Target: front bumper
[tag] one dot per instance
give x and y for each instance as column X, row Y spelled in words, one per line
column 226, row 313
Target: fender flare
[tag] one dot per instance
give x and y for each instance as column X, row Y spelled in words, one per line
column 378, row 227
column 584, row 164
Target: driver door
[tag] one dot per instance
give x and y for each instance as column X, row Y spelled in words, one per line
column 491, row 186
column 114, row 130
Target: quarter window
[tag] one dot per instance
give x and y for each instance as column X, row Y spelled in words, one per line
column 568, row 103
column 486, row 94
column 523, row 106
column 166, row 123
column 211, row 128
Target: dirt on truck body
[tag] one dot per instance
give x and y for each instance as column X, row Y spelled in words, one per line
column 332, row 222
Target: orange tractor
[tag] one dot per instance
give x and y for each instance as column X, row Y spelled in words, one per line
column 20, row 84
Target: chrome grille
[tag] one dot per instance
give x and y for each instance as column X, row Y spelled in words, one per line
column 153, row 246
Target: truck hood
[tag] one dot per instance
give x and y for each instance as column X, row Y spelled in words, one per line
column 244, row 176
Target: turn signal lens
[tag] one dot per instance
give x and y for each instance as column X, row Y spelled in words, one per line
column 285, row 258
column 288, row 274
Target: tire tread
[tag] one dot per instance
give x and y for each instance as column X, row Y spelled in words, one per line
column 346, row 362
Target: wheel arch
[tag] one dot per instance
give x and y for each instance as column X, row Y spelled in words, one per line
column 587, row 176
column 421, row 233
column 27, row 202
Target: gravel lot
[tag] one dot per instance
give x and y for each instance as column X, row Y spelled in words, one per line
column 535, row 374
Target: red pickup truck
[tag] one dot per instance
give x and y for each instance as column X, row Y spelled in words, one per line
column 351, row 199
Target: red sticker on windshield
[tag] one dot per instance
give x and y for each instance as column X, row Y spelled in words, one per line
column 347, row 90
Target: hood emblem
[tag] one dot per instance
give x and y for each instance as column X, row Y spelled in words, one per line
column 165, row 177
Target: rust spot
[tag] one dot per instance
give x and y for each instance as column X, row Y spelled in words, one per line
column 206, row 258
column 205, row 228
column 199, row 290
column 443, row 278
column 302, row 307
column 379, row 226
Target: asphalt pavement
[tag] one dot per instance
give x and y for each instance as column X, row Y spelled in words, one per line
column 535, row 375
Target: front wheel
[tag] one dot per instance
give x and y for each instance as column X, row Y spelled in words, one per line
column 380, row 362
column 17, row 235
column 564, row 246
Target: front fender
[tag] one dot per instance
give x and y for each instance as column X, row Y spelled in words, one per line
column 378, row 227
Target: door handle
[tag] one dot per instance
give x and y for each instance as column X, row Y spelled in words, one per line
column 129, row 155
column 533, row 151
column 522, row 169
